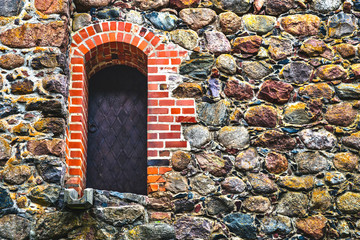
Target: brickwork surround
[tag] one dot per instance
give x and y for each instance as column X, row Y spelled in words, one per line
column 120, row 43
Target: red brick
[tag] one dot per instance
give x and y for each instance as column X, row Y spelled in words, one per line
column 155, row 144
column 184, row 119
column 172, row 135
column 185, row 102
column 175, row 111
column 163, row 170
column 188, row 110
column 166, row 102
column 158, row 127
column 158, row 111
column 166, row 118
column 176, row 144
column 156, row 78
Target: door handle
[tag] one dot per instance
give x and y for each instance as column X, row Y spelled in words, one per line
column 92, row 128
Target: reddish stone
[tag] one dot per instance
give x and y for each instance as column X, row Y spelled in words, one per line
column 277, row 7
column 276, row 162
column 261, row 116
column 29, row 35
column 331, row 72
column 275, row 140
column 301, row 25
column 47, row 147
column 314, row 48
column 345, row 50
column 180, row 4
column 313, row 227
column 197, row 18
column 52, row 6
column 275, row 91
column 239, row 90
column 84, row 5
column 356, row 70
column 250, row 44
column 342, row 114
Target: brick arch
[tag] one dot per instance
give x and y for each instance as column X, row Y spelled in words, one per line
column 120, row 43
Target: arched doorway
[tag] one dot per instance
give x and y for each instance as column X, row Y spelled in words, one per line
column 117, row 130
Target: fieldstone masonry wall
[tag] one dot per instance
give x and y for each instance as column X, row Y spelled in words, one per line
column 253, row 117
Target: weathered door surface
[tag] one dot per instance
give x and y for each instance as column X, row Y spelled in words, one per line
column 117, row 138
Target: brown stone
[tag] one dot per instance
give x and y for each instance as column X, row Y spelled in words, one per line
column 47, row 107
column 352, row 141
column 262, row 116
column 276, row 162
column 29, row 35
column 346, row 161
column 16, row 175
column 238, row 90
column 342, row 114
column 280, row 48
column 47, row 147
column 5, row 151
column 52, row 6
column 315, row 47
column 55, row 83
column 147, row 4
column 356, row 70
column 50, row 125
column 175, row 182
column 230, row 22
column 233, row 185
column 313, row 227
column 275, row 140
column 21, row 129
column 320, row 199
column 275, row 91
column 256, row 70
column 180, row 160
column 10, row 61
column 345, row 50
column 319, row 90
column 197, row 18
column 277, row 7
column 261, row 183
column 258, row 204
column 180, row 4
column 248, row 45
column 22, row 87
column 331, row 72
column 301, row 25
column 188, row 90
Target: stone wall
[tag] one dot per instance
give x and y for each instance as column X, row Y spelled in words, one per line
column 272, row 153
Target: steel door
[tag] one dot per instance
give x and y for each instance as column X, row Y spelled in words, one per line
column 117, row 131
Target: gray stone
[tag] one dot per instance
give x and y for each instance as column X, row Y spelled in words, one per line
column 280, row 48
column 5, row 200
column 281, row 224
column 247, row 160
column 352, row 141
column 311, row 162
column 14, row 227
column 219, row 204
column 260, row 24
column 217, row 42
column 256, row 70
column 213, row 164
column 226, row 64
column 325, row 6
column 213, row 114
column 320, row 199
column 122, row 215
column 243, row 225
column 297, row 72
column 134, row 17
column 297, row 114
column 52, row 171
column 16, row 175
column 348, row 91
column 197, row 136
column 185, row 38
column 341, row 24
column 193, row 228
column 154, row 231
column 80, row 21
column 197, row 18
column 10, row 8
column 198, row 67
column 234, row 137
column 261, row 183
column 175, row 182
column 45, row 195
column 318, row 140
column 162, row 20
column 334, row 178
column 236, row 6
column 257, row 204
column 203, row 184
column 233, row 185
column 5, row 151
column 293, row 204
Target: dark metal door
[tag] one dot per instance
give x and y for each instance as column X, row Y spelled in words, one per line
column 117, row 137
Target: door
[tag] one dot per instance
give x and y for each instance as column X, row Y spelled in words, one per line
column 117, row 131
